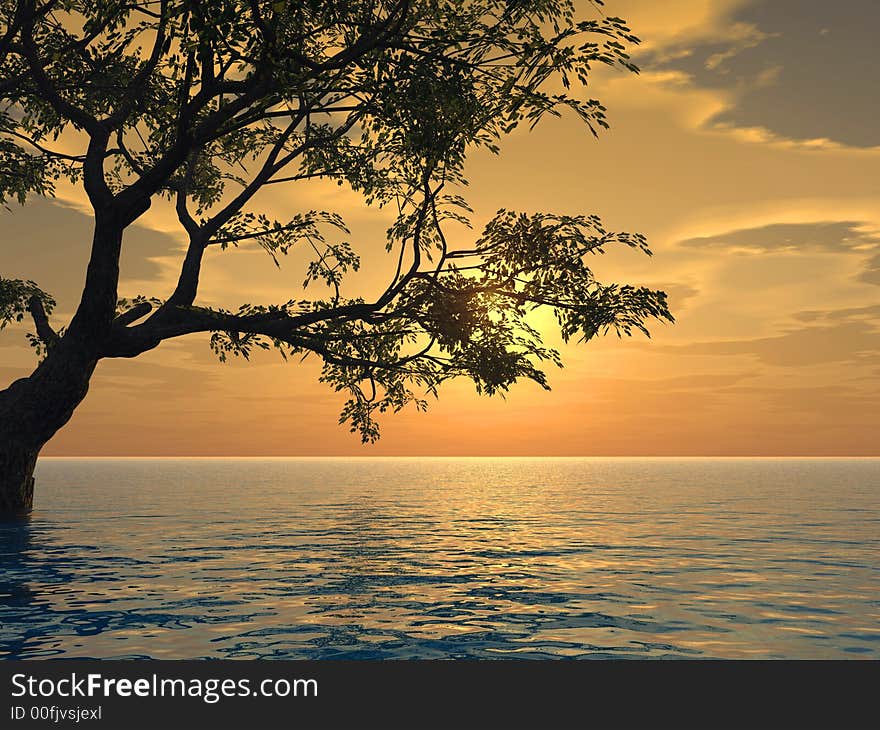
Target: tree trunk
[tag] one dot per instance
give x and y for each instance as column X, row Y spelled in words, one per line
column 31, row 411
column 17, row 464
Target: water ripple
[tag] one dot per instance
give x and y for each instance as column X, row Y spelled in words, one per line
column 446, row 558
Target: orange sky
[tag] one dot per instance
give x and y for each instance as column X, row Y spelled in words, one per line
column 748, row 151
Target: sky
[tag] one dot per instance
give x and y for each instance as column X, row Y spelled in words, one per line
column 747, row 150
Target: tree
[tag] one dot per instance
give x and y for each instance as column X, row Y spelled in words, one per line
column 203, row 104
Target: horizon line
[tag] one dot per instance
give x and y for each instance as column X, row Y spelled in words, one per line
column 462, row 456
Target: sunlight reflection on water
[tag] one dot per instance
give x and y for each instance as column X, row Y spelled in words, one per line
column 445, row 558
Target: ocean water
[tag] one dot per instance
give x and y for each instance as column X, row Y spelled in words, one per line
column 445, row 558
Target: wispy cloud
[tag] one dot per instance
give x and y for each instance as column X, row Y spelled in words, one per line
column 798, row 69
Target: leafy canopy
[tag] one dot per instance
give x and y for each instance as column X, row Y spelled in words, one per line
column 206, row 103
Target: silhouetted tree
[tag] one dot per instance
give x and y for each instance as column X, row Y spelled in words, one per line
column 206, row 102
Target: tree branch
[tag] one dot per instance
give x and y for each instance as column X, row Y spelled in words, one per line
column 133, row 314
column 141, row 77
column 44, row 150
column 179, row 321
column 41, row 321
column 64, row 107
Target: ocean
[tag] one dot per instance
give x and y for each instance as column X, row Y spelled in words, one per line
column 452, row 558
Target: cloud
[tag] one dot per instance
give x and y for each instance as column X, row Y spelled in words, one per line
column 679, row 294
column 834, row 236
column 664, row 25
column 852, row 411
column 799, row 69
column 853, row 313
column 853, row 341
column 871, row 275
column 838, row 237
column 146, row 377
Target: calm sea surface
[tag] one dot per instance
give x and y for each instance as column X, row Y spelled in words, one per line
column 445, row 558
